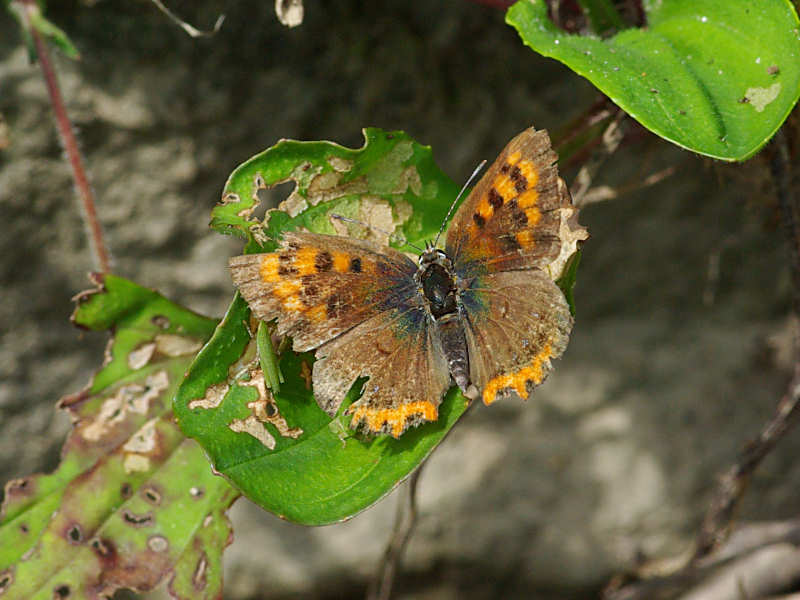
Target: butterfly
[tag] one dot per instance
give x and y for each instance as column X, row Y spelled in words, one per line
column 484, row 312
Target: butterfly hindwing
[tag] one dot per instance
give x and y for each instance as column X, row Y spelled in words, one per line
column 512, row 217
column 407, row 371
column 516, row 323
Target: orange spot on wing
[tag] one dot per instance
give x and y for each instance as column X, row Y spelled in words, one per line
column 525, row 239
column 519, row 381
column 293, row 303
column 317, row 314
column 304, row 261
column 528, row 198
column 374, row 418
column 341, row 262
column 529, row 171
column 505, row 186
column 533, row 215
column 287, row 288
column 513, row 158
column 268, row 269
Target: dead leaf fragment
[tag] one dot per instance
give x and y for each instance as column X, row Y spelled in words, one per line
column 139, row 357
column 759, row 97
column 214, row 395
column 264, row 410
column 134, row 398
column 290, row 12
column 294, row 204
column 570, row 233
column 255, row 428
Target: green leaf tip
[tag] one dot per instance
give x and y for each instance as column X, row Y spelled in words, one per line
column 716, row 78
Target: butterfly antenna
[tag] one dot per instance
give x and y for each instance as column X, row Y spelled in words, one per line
column 453, row 205
column 368, row 226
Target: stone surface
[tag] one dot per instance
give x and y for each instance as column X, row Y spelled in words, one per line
column 669, row 371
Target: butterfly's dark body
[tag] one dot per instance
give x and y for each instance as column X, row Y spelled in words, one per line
column 484, row 311
column 440, row 289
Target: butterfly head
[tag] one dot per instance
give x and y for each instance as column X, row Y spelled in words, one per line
column 433, row 256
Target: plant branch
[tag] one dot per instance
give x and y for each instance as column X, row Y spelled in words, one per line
column 733, row 482
column 95, row 230
column 665, row 577
column 380, row 588
column 610, row 141
column 189, row 29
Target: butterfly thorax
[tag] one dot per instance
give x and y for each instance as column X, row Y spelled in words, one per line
column 438, row 284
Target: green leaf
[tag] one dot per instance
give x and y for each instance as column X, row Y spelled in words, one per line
column 568, row 278
column 717, row 78
column 278, row 447
column 390, row 183
column 128, row 503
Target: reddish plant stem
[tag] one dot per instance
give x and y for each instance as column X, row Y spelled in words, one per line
column 95, row 230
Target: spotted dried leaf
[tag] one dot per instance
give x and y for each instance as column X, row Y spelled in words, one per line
column 115, row 512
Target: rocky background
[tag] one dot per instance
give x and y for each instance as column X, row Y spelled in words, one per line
column 680, row 349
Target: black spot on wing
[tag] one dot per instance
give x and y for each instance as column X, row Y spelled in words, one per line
column 355, row 265
column 323, row 261
column 495, row 199
column 520, row 183
column 479, row 220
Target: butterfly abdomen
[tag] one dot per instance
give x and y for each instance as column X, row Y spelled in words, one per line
column 453, row 340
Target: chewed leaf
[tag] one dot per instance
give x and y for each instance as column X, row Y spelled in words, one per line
column 717, row 78
column 126, row 504
column 391, row 184
column 274, row 443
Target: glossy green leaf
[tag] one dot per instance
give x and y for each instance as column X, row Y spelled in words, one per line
column 717, row 78
column 279, row 447
column 127, row 505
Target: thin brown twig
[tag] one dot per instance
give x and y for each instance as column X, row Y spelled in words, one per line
column 733, row 482
column 716, row 526
column 380, row 588
column 95, row 230
column 191, row 30
column 611, row 138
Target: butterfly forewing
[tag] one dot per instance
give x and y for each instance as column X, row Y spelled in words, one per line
column 511, row 218
column 319, row 286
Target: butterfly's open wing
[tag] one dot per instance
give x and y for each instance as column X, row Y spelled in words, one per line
column 516, row 215
column 407, row 371
column 509, row 240
column 517, row 321
column 357, row 304
column 319, row 286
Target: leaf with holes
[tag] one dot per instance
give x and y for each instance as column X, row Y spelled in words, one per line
column 277, row 445
column 717, row 78
column 133, row 501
